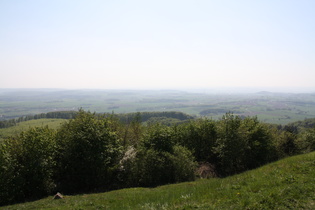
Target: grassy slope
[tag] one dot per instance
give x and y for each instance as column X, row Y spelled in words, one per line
column 23, row 126
column 286, row 184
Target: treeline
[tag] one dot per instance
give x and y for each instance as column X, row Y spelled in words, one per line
column 94, row 153
column 301, row 125
column 215, row 111
column 59, row 115
column 146, row 116
column 168, row 118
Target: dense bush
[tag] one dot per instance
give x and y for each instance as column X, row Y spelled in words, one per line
column 96, row 153
column 26, row 164
column 306, row 141
column 199, row 137
column 151, row 167
column 7, row 192
column 159, row 160
column 230, row 145
column 258, row 142
column 184, row 164
column 88, row 152
column 285, row 144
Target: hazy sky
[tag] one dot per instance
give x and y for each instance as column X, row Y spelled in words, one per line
column 157, row 44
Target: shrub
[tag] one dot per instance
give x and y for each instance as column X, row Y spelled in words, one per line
column 159, row 161
column 306, row 141
column 230, row 145
column 258, row 143
column 27, row 163
column 242, row 144
column 184, row 164
column 285, row 144
column 88, row 152
column 199, row 137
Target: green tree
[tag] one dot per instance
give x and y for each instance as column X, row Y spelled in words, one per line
column 7, row 175
column 285, row 144
column 27, row 163
column 305, row 141
column 199, row 136
column 159, row 137
column 230, row 146
column 159, row 160
column 257, row 140
column 184, row 164
column 88, row 152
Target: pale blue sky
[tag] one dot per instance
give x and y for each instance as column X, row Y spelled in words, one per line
column 157, row 44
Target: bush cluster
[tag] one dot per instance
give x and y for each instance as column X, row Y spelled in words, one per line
column 93, row 153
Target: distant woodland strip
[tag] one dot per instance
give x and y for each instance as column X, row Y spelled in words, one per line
column 165, row 117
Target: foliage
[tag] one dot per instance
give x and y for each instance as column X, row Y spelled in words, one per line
column 88, row 152
column 303, row 124
column 285, row 144
column 199, row 137
column 131, row 132
column 230, row 146
column 158, row 137
column 306, row 141
column 147, row 116
column 159, row 160
column 286, row 184
column 242, row 144
column 183, row 164
column 95, row 152
column 27, row 164
column 164, row 121
column 258, row 142
column 153, row 168
column 7, row 192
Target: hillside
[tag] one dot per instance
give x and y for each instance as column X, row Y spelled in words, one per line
column 285, row 184
column 23, row 126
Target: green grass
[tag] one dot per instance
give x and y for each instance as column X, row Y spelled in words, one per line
column 23, row 126
column 286, row 184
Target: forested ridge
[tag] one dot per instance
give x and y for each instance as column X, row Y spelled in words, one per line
column 99, row 152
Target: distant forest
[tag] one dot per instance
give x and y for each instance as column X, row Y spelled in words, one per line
column 167, row 118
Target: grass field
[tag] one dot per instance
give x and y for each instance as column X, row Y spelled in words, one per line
column 286, row 184
column 22, row 126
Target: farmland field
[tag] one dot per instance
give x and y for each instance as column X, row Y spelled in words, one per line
column 278, row 108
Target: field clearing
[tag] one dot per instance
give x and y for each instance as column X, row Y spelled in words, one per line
column 23, row 126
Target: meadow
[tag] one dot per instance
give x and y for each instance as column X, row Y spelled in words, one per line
column 285, row 184
column 23, row 126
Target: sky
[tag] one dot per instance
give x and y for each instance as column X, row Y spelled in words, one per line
column 104, row 44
